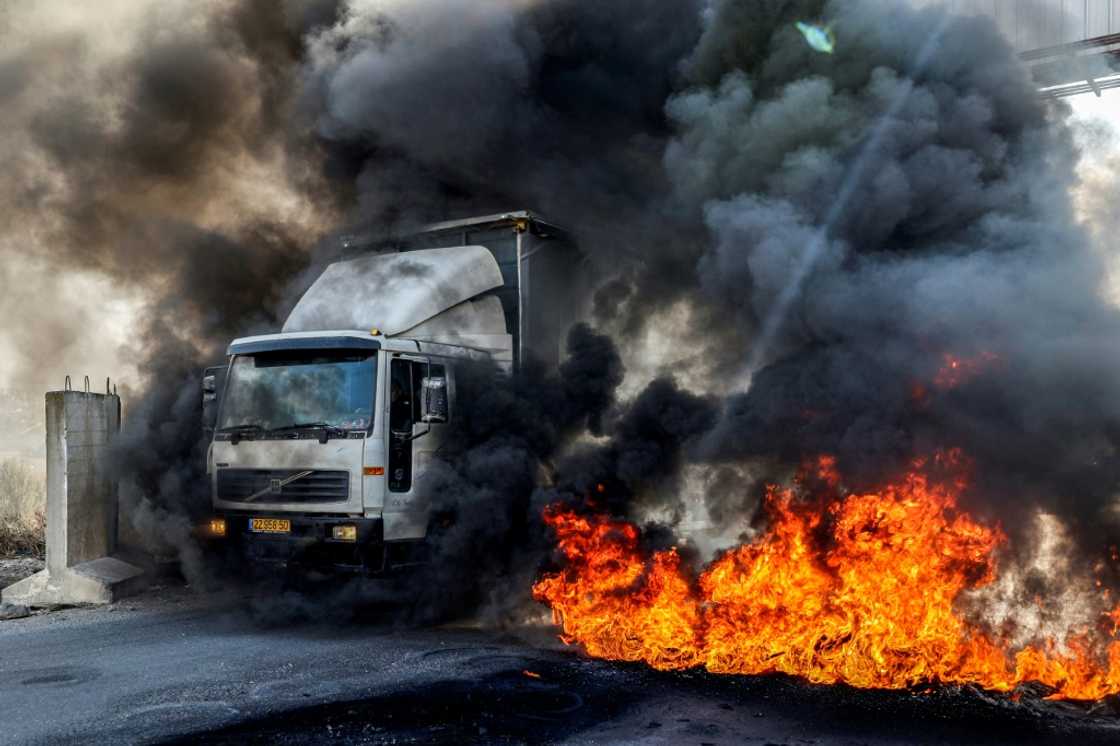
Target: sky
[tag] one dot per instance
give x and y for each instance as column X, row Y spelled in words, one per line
column 1097, row 128
column 1089, row 108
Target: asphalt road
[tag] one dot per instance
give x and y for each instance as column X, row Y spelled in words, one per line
column 172, row 666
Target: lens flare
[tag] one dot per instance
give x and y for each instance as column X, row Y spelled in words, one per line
column 820, row 38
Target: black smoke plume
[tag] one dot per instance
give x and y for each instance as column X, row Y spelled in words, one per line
column 841, row 228
column 129, row 161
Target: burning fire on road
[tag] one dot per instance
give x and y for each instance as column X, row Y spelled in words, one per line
column 865, row 589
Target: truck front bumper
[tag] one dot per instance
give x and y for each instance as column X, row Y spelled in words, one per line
column 310, row 542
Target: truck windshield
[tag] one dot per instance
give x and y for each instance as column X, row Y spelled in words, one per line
column 290, row 389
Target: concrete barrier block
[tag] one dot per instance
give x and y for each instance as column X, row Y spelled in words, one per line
column 81, row 507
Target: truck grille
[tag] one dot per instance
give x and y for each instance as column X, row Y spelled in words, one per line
column 239, row 485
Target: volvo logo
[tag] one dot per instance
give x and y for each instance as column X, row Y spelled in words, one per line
column 276, row 486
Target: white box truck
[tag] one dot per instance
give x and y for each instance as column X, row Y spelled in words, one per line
column 322, row 433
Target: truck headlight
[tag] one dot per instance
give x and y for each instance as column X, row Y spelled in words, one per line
column 344, row 533
column 216, row 527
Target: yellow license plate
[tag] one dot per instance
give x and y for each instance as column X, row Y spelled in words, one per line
column 270, row 525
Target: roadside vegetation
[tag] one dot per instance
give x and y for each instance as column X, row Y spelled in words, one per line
column 22, row 518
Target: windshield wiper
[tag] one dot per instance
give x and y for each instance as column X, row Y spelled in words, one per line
column 327, row 428
column 239, row 430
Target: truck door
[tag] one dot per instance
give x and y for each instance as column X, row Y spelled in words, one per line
column 411, row 441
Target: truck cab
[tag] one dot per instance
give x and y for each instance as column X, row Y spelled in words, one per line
column 323, row 434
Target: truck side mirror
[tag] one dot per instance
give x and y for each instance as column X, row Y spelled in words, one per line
column 433, row 400
column 210, row 385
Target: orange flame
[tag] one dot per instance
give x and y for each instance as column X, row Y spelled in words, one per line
column 860, row 589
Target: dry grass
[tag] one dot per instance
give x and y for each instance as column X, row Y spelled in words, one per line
column 22, row 519
column 23, row 537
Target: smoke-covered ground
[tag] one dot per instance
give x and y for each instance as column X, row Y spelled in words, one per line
column 871, row 253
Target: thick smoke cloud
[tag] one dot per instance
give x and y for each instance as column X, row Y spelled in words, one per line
column 960, row 241
column 504, row 443
column 718, row 157
column 446, row 108
column 149, row 146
